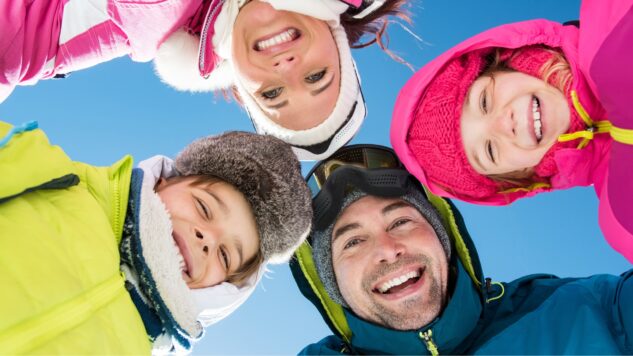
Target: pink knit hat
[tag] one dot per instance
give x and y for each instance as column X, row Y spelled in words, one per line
column 435, row 135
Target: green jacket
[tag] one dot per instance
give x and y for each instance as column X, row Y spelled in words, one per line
column 537, row 314
column 60, row 226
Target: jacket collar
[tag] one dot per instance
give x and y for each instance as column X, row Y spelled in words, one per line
column 449, row 330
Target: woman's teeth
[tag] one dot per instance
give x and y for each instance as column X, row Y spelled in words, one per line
column 536, row 114
column 286, row 36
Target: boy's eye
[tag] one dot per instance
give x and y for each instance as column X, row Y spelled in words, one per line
column 272, row 93
column 205, row 211
column 224, row 255
column 315, row 77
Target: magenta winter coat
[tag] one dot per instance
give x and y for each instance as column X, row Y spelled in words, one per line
column 44, row 38
column 603, row 42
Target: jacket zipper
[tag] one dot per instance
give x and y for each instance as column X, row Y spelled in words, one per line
column 117, row 207
column 427, row 337
column 211, row 14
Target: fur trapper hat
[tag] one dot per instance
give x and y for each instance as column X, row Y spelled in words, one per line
column 268, row 173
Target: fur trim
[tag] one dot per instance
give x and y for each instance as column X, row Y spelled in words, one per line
column 176, row 64
column 161, row 255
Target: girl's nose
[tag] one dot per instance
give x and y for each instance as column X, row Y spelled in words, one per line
column 504, row 124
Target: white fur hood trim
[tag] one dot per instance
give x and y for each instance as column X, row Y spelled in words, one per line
column 192, row 308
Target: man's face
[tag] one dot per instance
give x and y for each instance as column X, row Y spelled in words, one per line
column 389, row 264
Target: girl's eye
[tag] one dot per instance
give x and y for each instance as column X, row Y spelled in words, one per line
column 400, row 222
column 315, row 77
column 203, row 207
column 272, row 93
column 489, row 151
column 351, row 243
column 225, row 257
column 484, row 102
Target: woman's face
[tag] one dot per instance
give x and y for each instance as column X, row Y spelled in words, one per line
column 289, row 64
column 510, row 120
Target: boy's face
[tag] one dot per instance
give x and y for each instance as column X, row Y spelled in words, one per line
column 213, row 227
column 509, row 121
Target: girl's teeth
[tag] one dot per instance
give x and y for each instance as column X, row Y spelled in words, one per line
column 536, row 113
column 283, row 37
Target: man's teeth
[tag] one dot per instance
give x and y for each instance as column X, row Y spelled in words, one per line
column 398, row 281
column 283, row 37
column 536, row 113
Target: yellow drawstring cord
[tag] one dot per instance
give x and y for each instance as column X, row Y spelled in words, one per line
column 593, row 127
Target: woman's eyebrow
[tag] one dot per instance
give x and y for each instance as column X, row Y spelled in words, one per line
column 318, row 91
column 278, row 106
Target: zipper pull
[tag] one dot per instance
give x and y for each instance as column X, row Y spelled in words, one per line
column 427, row 337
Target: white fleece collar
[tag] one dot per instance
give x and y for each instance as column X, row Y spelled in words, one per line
column 190, row 306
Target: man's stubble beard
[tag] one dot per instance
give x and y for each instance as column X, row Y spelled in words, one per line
column 414, row 312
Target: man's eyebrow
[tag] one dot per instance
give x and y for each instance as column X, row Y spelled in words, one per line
column 318, row 91
column 343, row 229
column 394, row 206
column 221, row 203
column 278, row 106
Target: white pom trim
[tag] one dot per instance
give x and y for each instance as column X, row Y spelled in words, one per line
column 176, row 64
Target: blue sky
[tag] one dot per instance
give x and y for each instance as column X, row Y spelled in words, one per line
column 117, row 108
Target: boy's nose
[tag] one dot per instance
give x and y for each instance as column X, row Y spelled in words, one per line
column 206, row 240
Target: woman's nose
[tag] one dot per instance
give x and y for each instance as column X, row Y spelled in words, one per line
column 285, row 63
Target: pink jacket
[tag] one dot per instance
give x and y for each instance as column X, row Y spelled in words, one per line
column 602, row 42
column 44, row 38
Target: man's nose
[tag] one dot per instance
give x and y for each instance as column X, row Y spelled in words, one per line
column 387, row 248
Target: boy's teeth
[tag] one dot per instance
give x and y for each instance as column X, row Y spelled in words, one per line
column 283, row 37
column 398, row 281
column 536, row 113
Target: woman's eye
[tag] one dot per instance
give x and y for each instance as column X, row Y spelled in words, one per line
column 351, row 243
column 225, row 257
column 315, row 77
column 272, row 93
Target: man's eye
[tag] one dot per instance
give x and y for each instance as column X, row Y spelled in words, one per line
column 272, row 93
column 351, row 243
column 400, row 222
column 315, row 77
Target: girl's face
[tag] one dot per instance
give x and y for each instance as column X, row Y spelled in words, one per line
column 289, row 64
column 509, row 121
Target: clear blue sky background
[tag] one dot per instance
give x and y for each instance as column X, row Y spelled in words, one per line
column 100, row 114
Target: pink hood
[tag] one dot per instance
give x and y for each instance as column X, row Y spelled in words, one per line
column 576, row 167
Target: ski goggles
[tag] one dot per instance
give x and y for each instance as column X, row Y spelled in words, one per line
column 373, row 169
